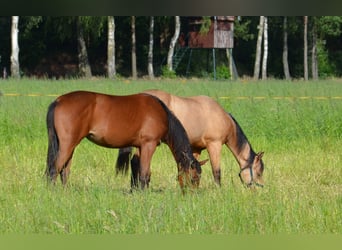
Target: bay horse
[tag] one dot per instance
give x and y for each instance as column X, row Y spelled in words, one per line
column 208, row 126
column 139, row 120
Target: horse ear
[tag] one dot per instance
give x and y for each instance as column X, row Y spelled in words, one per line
column 260, row 155
column 203, row 162
column 179, row 166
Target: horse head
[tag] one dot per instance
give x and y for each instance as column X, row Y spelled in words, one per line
column 190, row 175
column 251, row 175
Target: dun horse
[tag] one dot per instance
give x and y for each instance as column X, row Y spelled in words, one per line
column 208, row 126
column 139, row 120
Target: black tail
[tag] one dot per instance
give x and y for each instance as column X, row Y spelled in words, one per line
column 53, row 146
column 122, row 162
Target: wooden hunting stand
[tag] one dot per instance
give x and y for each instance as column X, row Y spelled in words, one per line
column 207, row 33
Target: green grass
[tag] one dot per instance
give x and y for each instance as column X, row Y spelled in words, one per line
column 302, row 140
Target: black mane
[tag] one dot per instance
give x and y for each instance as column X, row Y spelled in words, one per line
column 242, row 140
column 178, row 141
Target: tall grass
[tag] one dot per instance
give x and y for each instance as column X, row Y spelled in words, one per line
column 302, row 140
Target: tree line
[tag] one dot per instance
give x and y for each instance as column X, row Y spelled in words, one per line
column 307, row 47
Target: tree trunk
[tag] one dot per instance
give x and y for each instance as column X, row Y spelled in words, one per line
column 15, row 68
column 133, row 53
column 285, row 51
column 111, row 72
column 150, row 50
column 230, row 63
column 314, row 61
column 306, row 75
column 173, row 43
column 264, row 59
column 83, row 62
column 258, row 49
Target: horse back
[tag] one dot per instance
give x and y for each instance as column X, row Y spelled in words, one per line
column 207, row 120
column 202, row 117
column 112, row 121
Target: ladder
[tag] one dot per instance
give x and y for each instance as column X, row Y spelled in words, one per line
column 178, row 56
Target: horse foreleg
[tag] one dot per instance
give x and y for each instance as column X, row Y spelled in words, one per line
column 146, row 151
column 214, row 150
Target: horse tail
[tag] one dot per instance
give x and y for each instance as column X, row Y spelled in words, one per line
column 53, row 146
column 122, row 162
column 178, row 141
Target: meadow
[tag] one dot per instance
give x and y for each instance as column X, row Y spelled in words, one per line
column 297, row 124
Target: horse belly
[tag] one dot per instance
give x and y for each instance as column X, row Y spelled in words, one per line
column 110, row 140
column 203, row 135
column 123, row 137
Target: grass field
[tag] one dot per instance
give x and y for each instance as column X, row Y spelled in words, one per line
column 297, row 124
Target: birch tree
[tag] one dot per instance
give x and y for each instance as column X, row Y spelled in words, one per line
column 265, row 54
column 15, row 69
column 314, row 61
column 285, row 51
column 258, row 49
column 150, row 50
column 306, row 74
column 173, row 43
column 111, row 71
column 230, row 63
column 133, row 51
column 83, row 61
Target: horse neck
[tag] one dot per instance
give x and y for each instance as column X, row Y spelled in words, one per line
column 245, row 156
column 239, row 145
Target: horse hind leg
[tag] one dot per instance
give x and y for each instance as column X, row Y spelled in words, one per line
column 135, row 167
column 64, row 174
column 63, row 162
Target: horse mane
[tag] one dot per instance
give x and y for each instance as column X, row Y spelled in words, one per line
column 177, row 139
column 242, row 140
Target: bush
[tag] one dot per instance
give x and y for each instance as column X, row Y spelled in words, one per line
column 326, row 68
column 166, row 73
column 222, row 72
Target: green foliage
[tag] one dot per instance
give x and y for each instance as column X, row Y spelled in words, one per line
column 222, row 72
column 166, row 73
column 205, row 26
column 242, row 29
column 294, row 24
column 328, row 25
column 30, row 23
column 94, row 25
column 60, row 28
column 326, row 67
